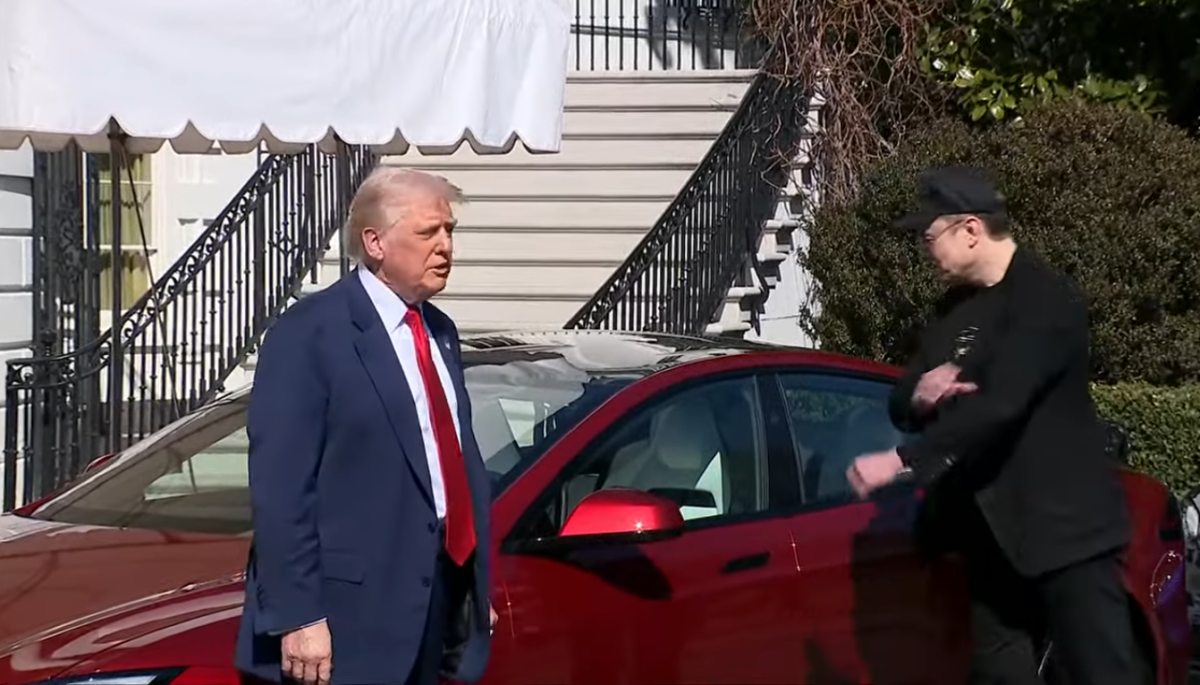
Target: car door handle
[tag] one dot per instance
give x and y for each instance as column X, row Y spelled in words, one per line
column 750, row 561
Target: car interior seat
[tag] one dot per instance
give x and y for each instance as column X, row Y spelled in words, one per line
column 683, row 450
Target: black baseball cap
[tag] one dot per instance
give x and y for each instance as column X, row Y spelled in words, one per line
column 953, row 190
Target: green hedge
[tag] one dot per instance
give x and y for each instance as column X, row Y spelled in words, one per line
column 1108, row 196
column 1163, row 425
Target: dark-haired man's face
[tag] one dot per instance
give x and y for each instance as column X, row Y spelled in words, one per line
column 951, row 243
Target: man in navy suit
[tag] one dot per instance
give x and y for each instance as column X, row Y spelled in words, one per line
column 370, row 499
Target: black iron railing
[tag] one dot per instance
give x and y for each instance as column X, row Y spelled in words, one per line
column 680, row 273
column 84, row 393
column 618, row 35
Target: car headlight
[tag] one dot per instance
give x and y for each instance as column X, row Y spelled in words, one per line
column 197, row 675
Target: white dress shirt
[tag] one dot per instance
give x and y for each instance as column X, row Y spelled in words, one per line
column 392, row 311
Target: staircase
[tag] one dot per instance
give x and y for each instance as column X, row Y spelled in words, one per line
column 724, row 227
column 539, row 234
column 670, row 208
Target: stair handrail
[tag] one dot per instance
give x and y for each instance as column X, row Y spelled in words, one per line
column 274, row 233
column 182, row 271
column 682, row 270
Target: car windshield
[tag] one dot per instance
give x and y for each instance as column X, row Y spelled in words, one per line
column 192, row 476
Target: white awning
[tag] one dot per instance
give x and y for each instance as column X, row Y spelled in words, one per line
column 386, row 73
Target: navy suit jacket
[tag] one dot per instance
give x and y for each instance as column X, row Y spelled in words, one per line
column 344, row 522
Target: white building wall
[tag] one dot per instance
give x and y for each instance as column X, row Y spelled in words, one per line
column 16, row 264
column 16, row 257
column 188, row 192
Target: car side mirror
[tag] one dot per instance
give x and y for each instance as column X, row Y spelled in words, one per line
column 623, row 512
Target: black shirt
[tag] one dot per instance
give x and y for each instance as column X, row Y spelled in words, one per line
column 1027, row 445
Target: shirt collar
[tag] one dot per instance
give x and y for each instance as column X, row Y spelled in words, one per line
column 392, row 309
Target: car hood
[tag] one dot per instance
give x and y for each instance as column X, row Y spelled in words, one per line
column 74, row 596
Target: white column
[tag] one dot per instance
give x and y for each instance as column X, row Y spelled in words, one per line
column 16, row 255
column 16, row 266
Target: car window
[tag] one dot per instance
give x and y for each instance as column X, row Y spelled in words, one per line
column 700, row 447
column 834, row 419
column 194, row 475
column 219, row 466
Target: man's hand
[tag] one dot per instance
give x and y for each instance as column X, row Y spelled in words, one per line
column 308, row 654
column 873, row 471
column 494, row 617
column 938, row 384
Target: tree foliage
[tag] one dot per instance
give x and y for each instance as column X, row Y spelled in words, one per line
column 884, row 66
column 1004, row 56
column 1108, row 195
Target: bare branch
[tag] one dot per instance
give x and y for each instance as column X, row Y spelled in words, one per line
column 860, row 56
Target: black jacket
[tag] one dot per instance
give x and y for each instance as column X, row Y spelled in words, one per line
column 1027, row 446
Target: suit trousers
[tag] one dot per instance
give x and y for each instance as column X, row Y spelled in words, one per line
column 446, row 595
column 1081, row 609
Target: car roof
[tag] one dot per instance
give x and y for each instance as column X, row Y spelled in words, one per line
column 621, row 353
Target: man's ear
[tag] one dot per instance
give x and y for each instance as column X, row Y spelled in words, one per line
column 975, row 228
column 372, row 244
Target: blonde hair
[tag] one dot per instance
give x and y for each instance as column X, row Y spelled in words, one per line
column 390, row 187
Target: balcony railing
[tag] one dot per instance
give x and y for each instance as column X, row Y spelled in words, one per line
column 656, row 35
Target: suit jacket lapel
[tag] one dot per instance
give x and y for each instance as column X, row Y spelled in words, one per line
column 377, row 354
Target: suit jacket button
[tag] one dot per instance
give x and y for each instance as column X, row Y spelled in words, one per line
column 432, row 528
column 426, row 582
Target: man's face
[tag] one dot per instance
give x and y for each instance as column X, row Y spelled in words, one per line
column 415, row 254
column 951, row 243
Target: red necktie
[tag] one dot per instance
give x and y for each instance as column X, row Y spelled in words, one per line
column 460, row 521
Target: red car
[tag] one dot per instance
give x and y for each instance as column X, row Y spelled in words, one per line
column 667, row 510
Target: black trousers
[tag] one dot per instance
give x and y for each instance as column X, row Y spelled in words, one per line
column 446, row 595
column 1082, row 609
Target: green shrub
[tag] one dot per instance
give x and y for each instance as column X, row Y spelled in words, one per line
column 1163, row 426
column 1110, row 196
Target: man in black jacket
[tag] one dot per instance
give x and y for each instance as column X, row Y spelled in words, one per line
column 1011, row 452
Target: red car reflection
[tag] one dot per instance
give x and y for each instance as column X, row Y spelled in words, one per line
column 666, row 509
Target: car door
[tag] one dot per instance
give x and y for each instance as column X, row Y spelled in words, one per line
column 717, row 604
column 878, row 611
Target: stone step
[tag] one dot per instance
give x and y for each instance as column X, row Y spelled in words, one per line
column 553, row 182
column 685, row 122
column 600, row 90
column 534, row 211
column 531, row 276
column 567, row 244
